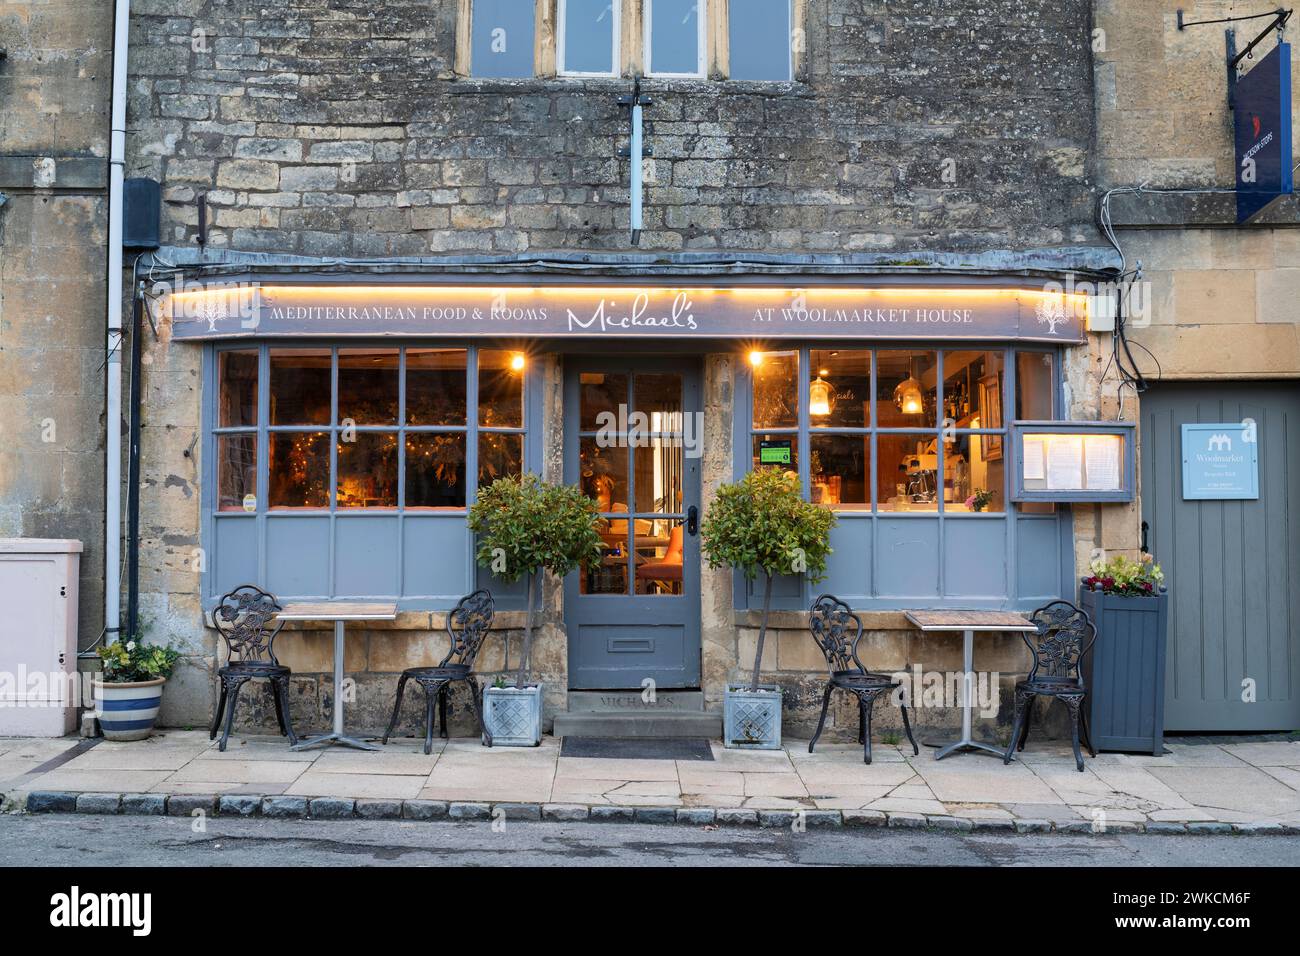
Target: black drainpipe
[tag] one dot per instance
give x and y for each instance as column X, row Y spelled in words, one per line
column 133, row 475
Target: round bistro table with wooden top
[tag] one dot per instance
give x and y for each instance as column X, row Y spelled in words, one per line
column 967, row 623
column 340, row 612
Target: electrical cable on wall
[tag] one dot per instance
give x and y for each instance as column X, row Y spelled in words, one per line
column 1131, row 375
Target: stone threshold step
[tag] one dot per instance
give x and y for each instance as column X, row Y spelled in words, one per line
column 642, row 724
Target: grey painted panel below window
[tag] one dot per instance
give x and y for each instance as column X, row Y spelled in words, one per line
column 236, row 553
column 1037, row 547
column 975, row 562
column 298, row 557
column 848, row 569
column 907, row 557
column 365, row 556
column 434, row 549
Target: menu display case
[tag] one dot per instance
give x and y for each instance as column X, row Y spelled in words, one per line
column 1073, row 461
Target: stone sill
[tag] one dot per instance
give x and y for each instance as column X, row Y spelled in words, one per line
column 618, row 85
column 1169, row 210
column 409, row 621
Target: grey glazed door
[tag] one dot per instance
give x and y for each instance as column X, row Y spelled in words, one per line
column 632, row 442
column 1231, row 566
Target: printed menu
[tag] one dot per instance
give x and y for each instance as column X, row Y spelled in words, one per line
column 1064, row 462
column 1102, row 461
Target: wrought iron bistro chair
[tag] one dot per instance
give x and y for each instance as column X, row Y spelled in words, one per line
column 243, row 617
column 467, row 625
column 831, row 622
column 1065, row 635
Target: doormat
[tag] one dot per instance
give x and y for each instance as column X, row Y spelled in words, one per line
column 638, row 748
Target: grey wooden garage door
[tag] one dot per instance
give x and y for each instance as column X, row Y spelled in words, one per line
column 1232, row 567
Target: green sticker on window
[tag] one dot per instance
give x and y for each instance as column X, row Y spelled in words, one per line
column 774, row 452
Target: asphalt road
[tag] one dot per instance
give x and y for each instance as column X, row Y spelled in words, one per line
column 78, row 840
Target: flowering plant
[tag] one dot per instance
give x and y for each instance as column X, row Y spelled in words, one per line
column 979, row 501
column 1121, row 575
column 128, row 662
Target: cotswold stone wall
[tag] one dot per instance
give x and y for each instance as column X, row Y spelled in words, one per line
column 54, row 123
column 336, row 127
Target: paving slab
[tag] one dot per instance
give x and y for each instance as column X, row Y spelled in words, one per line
column 1056, row 812
column 100, row 781
column 504, row 792
column 240, row 771
column 1220, row 787
column 596, row 768
column 1272, row 753
column 907, row 805
column 391, row 786
column 268, row 789
column 709, row 781
column 1183, row 755
column 959, row 780
column 259, row 748
column 849, row 798
column 1287, row 775
column 1244, row 789
column 380, row 762
column 138, row 755
column 818, row 776
column 774, row 785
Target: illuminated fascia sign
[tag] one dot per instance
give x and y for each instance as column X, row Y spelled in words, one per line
column 1262, row 120
column 562, row 311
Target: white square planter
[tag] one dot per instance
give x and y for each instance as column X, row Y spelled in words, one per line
column 513, row 715
column 751, row 720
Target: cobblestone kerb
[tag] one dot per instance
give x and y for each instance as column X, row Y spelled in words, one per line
column 336, row 808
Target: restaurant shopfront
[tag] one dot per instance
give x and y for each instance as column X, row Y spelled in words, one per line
column 348, row 424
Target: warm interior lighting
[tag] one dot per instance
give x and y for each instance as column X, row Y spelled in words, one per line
column 819, row 397
column 908, row 397
column 517, row 362
column 756, row 358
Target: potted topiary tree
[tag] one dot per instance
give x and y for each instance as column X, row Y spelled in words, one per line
column 129, row 692
column 1125, row 673
column 762, row 525
column 526, row 526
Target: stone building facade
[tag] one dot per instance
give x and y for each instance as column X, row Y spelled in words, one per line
column 54, row 73
column 1216, row 330
column 912, row 140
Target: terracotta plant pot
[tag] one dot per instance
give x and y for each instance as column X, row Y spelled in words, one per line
column 128, row 711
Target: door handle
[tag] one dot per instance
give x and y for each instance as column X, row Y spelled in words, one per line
column 692, row 520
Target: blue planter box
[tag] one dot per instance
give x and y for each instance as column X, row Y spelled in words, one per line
column 751, row 720
column 513, row 715
column 1125, row 673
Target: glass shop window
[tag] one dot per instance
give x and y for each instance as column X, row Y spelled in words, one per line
column 502, row 38
column 889, row 430
column 975, row 463
column 761, row 40
column 675, row 37
column 360, row 428
column 906, row 390
column 588, row 38
column 1035, row 386
column 301, row 380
